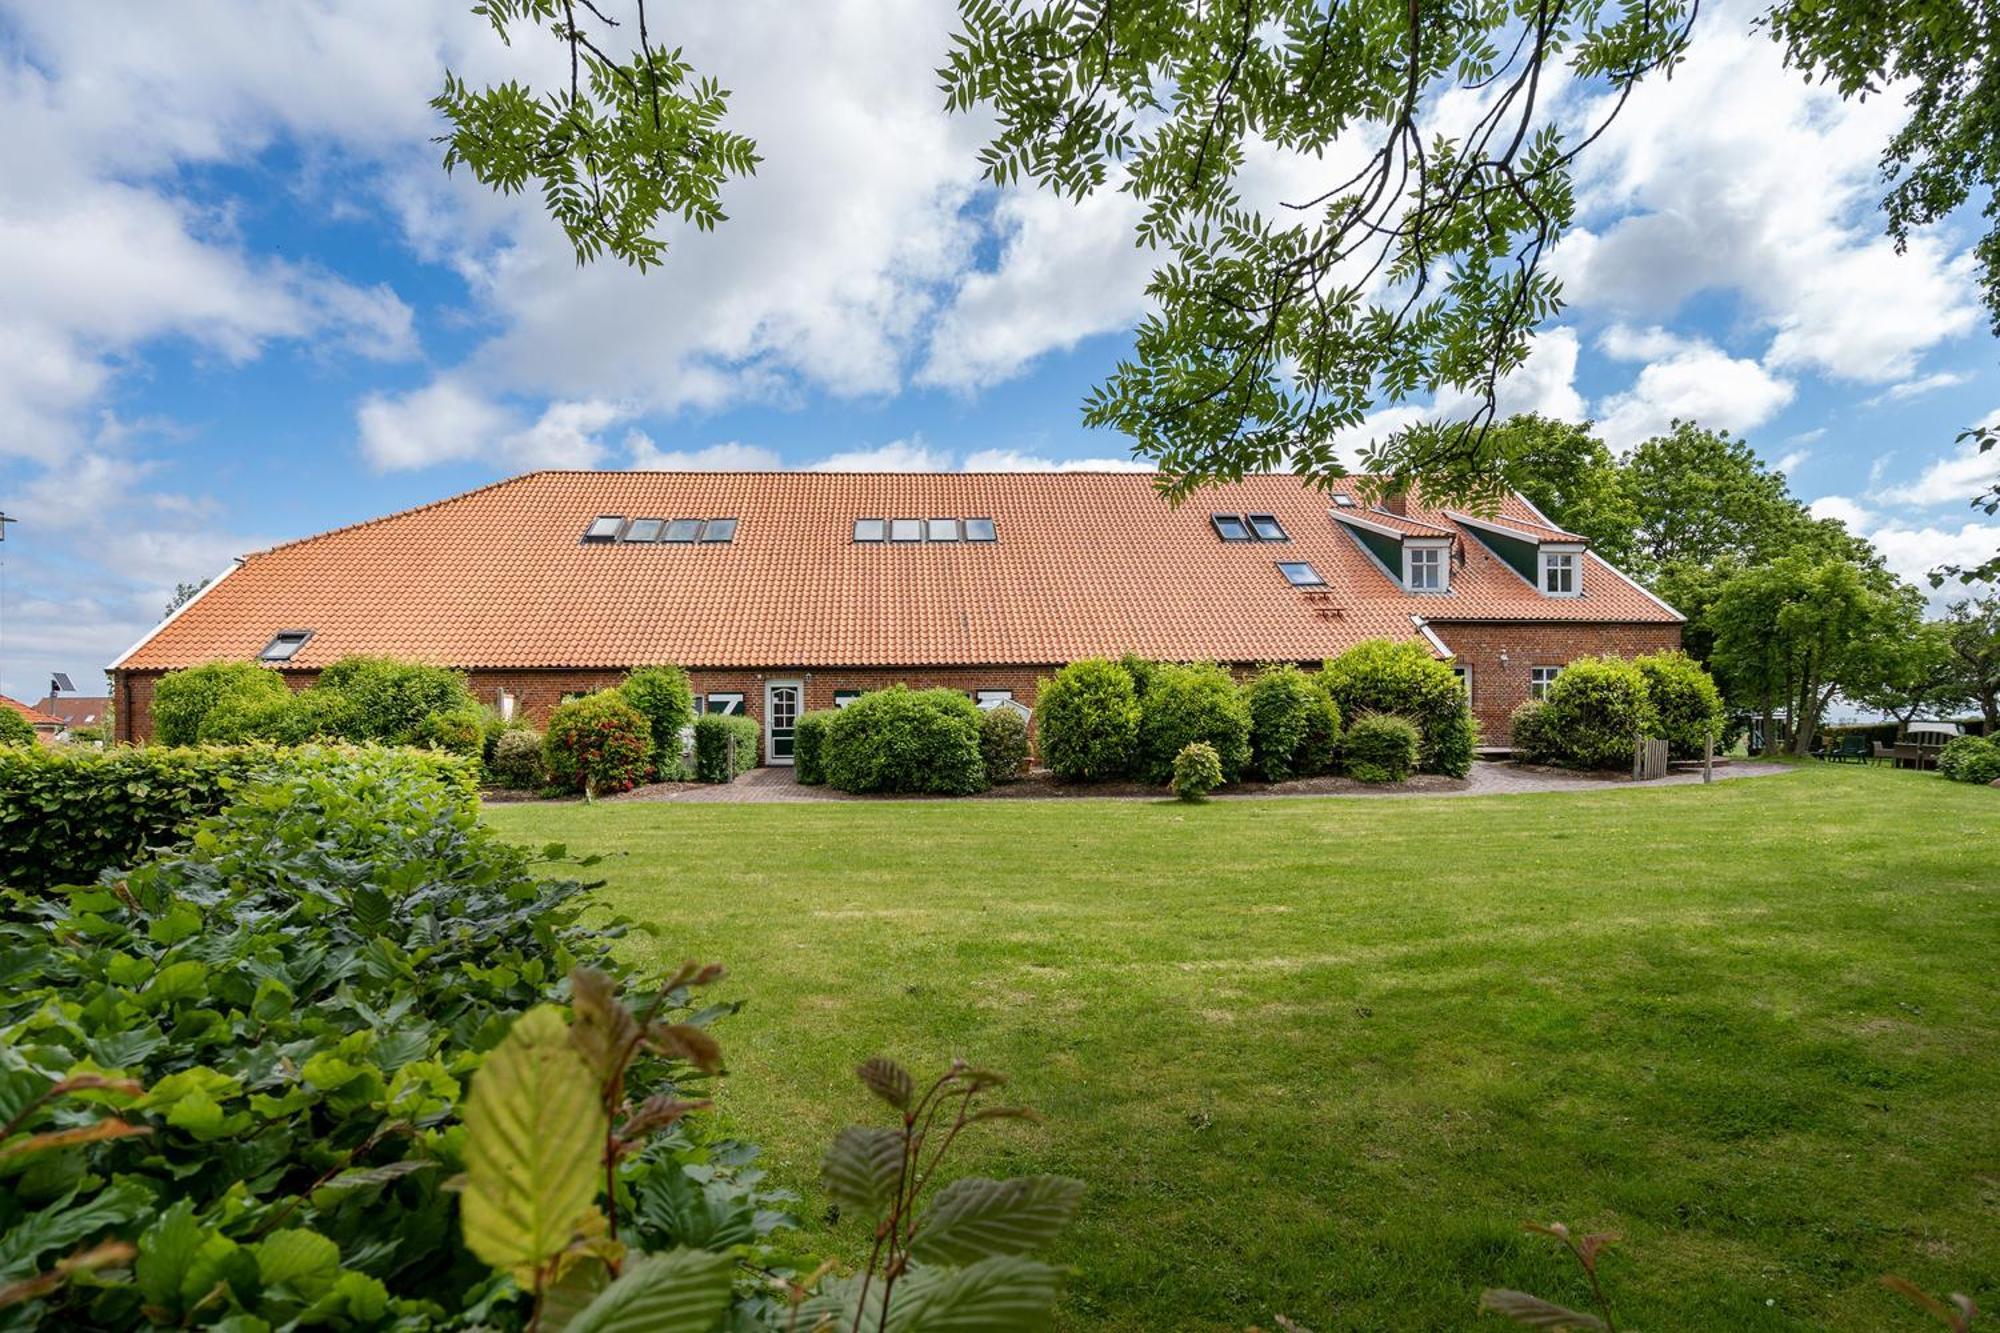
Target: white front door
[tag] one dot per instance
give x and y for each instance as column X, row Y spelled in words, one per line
column 781, row 718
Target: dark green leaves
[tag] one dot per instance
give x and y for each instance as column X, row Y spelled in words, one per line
column 681, row 1291
column 887, row 1080
column 975, row 1219
column 863, row 1168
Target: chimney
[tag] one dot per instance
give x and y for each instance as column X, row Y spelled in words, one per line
column 1396, row 502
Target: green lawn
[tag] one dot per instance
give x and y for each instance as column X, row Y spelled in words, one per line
column 1321, row 1057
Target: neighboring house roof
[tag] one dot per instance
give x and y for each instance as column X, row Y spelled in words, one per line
column 76, row 710
column 36, row 717
column 1085, row 564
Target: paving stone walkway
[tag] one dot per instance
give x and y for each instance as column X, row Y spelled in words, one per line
column 774, row 786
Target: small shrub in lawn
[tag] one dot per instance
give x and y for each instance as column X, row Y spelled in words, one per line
column 1294, row 724
column 517, row 760
column 391, row 698
column 598, row 743
column 1597, row 706
column 1184, row 704
column 1970, row 759
column 1197, row 771
column 904, row 740
column 15, row 729
column 1531, row 734
column 1003, row 744
column 1087, row 721
column 662, row 694
column 1379, row 676
column 1684, row 699
column 809, row 746
column 1381, row 747
column 182, row 699
column 714, row 758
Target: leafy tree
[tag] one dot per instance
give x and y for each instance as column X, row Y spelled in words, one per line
column 1570, row 474
column 1912, row 675
column 183, row 594
column 15, row 729
column 1701, row 496
column 1975, row 643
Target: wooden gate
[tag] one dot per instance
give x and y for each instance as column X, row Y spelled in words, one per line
column 1649, row 759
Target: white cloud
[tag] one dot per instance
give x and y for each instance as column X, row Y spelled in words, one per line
column 1014, row 460
column 1686, row 378
column 1791, row 462
column 1855, row 515
column 1544, row 384
column 1913, row 552
column 1917, row 388
column 643, row 455
column 1952, row 479
column 911, row 455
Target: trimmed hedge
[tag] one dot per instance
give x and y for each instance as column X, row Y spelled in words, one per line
column 516, row 762
column 1087, row 720
column 711, row 746
column 1597, row 706
column 288, row 719
column 392, row 698
column 1970, row 759
column 67, row 815
column 809, row 746
column 1294, row 724
column 15, row 729
column 1381, row 747
column 1185, row 704
column 457, row 730
column 1197, row 771
column 662, row 694
column 1685, row 701
column 598, row 744
column 1531, row 734
column 1003, row 744
column 183, row 699
column 1404, row 679
column 904, row 740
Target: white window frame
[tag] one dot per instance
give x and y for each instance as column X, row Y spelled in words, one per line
column 1438, row 553
column 1539, row 680
column 1568, row 558
column 990, row 699
column 842, row 698
column 732, row 703
column 1464, row 674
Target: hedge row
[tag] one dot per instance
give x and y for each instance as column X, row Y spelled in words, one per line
column 1597, row 707
column 357, row 699
column 714, row 760
column 67, row 815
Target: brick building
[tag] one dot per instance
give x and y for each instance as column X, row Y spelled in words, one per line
column 787, row 591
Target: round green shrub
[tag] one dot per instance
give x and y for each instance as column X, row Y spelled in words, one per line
column 1970, row 759
column 598, row 743
column 809, row 746
column 1381, row 747
column 1531, row 734
column 459, row 730
column 1003, row 744
column 1597, row 707
column 183, row 698
column 517, row 760
column 1197, row 771
column 1378, row 676
column 15, row 729
column 662, row 694
column 1184, row 704
column 391, row 698
column 1294, row 725
column 1684, row 699
column 1087, row 721
column 726, row 745
column 904, row 740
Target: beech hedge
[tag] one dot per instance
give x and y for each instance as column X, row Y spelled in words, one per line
column 712, row 753
column 1087, row 720
column 1381, row 747
column 67, row 815
column 809, row 746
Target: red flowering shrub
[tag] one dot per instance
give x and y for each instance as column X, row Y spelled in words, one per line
column 598, row 744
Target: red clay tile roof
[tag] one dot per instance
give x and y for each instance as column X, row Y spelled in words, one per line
column 36, row 717
column 1086, row 564
column 76, row 710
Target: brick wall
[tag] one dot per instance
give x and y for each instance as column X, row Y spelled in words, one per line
column 1497, row 686
column 1500, row 686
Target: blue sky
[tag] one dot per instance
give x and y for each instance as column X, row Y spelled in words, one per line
column 240, row 302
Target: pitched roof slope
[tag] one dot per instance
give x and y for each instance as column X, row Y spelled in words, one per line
column 76, row 710
column 35, row 716
column 1086, row 564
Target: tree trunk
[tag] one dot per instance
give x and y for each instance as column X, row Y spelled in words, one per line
column 1770, row 725
column 1806, row 720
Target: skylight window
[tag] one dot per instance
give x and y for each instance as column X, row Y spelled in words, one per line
column 944, row 529
column 285, row 645
column 1267, row 528
column 719, row 530
column 1230, row 527
column 604, row 528
column 980, row 530
column 1343, row 502
column 906, row 529
column 644, row 530
column 869, row 529
column 1300, row 574
column 683, row 530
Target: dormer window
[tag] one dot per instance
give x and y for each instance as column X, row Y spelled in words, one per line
column 1562, row 571
column 1426, row 566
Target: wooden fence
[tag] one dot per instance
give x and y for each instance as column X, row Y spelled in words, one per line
column 1649, row 759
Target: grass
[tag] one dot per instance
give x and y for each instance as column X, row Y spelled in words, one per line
column 1322, row 1057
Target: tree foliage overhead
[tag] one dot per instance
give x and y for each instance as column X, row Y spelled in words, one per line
column 624, row 142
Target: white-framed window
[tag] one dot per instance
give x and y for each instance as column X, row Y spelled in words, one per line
column 1562, row 572
column 724, row 703
column 507, row 705
column 842, row 698
column 1464, row 675
column 1426, row 566
column 992, row 698
column 1539, row 680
